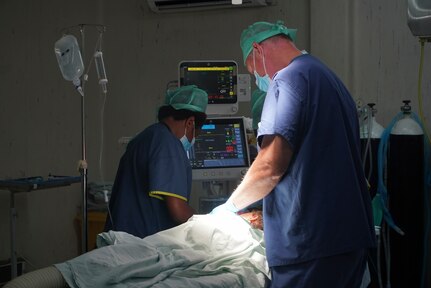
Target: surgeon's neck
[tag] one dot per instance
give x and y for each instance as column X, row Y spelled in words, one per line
column 175, row 126
column 280, row 60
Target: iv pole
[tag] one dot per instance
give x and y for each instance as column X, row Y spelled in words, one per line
column 83, row 167
column 83, row 163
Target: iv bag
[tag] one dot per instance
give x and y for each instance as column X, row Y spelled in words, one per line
column 69, row 57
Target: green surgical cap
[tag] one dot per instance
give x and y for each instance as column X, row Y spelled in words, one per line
column 187, row 97
column 257, row 100
column 260, row 31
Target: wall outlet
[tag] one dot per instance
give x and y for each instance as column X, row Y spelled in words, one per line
column 244, row 88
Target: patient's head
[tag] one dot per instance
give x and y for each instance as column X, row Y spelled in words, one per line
column 254, row 217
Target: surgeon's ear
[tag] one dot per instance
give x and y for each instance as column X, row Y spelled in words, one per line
column 190, row 122
column 258, row 50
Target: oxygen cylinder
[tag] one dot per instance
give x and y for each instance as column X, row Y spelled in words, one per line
column 405, row 182
column 370, row 133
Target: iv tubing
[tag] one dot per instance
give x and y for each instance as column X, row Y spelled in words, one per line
column 367, row 120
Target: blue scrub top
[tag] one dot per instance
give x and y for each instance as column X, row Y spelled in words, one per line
column 321, row 206
column 153, row 166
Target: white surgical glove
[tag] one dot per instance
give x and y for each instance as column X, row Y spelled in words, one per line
column 228, row 206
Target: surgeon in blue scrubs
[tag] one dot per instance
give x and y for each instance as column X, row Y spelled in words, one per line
column 316, row 206
column 153, row 181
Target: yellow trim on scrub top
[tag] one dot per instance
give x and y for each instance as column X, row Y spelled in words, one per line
column 160, row 194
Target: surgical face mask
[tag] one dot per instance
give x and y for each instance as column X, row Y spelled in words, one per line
column 187, row 145
column 261, row 82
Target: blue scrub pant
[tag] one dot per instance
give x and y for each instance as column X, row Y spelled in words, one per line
column 338, row 271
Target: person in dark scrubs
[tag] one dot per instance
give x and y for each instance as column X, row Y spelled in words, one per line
column 153, row 182
column 316, row 205
column 257, row 100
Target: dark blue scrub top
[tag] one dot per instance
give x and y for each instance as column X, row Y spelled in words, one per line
column 321, row 206
column 154, row 165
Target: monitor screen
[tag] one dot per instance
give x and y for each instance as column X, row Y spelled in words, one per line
column 217, row 78
column 220, row 150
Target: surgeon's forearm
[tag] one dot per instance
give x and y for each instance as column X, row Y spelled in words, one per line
column 256, row 184
column 266, row 171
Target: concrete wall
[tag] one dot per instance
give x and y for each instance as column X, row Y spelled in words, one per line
column 40, row 113
column 367, row 43
column 371, row 47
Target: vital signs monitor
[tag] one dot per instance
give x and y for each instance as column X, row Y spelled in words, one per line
column 220, row 151
column 218, row 79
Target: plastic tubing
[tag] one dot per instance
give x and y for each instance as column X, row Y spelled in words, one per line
column 381, row 163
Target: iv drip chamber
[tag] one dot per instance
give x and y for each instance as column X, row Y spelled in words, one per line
column 100, row 69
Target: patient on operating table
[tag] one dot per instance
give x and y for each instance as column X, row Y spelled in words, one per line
column 254, row 217
column 221, row 250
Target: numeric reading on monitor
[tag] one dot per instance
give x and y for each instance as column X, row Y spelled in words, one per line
column 218, row 79
column 220, row 150
column 218, row 146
